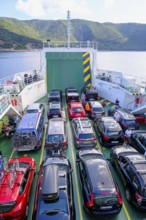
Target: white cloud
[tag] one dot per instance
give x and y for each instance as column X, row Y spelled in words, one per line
column 54, row 9
column 109, row 3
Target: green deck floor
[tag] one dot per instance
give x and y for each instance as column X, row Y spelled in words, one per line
column 127, row 212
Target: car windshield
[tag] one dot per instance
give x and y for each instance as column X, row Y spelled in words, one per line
column 59, row 205
column 55, row 138
column 72, row 91
column 91, row 156
column 129, row 122
column 78, row 109
column 113, row 133
column 86, row 136
column 97, row 109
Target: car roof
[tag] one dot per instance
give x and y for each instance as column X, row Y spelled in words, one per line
column 34, row 106
column 84, row 125
column 108, row 119
column 96, row 104
column 124, row 150
column 56, row 126
column 126, row 114
column 83, row 152
column 99, row 174
column 29, row 121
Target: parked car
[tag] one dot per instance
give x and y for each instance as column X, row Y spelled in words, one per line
column 56, row 133
column 90, row 93
column 15, row 188
column 84, row 135
column 131, row 167
column 35, row 107
column 72, row 95
column 55, row 95
column 54, row 191
column 96, row 109
column 138, row 140
column 126, row 118
column 109, row 131
column 54, row 110
column 101, row 195
column 75, row 110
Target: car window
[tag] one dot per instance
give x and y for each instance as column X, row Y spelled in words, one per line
column 136, row 182
column 86, row 136
column 24, row 181
column 55, row 138
column 78, row 109
column 95, row 109
column 130, row 172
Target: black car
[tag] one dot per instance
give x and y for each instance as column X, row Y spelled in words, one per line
column 126, row 118
column 72, row 95
column 54, row 110
column 54, row 191
column 109, row 131
column 90, row 93
column 131, row 167
column 138, row 140
column 101, row 195
column 55, row 95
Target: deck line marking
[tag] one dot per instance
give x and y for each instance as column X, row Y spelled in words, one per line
column 43, row 144
column 126, row 212
column 75, row 175
column 12, row 154
column 73, row 160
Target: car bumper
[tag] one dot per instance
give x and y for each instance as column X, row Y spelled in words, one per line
column 103, row 213
column 82, row 145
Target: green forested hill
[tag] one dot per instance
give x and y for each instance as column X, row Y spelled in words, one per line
column 16, row 34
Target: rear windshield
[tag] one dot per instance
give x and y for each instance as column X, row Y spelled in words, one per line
column 97, row 109
column 55, row 138
column 32, row 111
column 77, row 109
column 86, row 136
column 130, row 122
column 55, row 110
column 114, row 133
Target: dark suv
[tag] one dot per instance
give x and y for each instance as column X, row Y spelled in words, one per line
column 54, row 110
column 84, row 135
column 101, row 194
column 55, row 95
column 54, row 191
column 131, row 166
column 126, row 118
column 90, row 93
column 72, row 95
column 109, row 131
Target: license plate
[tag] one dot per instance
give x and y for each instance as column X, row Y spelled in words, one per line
column 114, row 141
column 106, row 207
column 78, row 114
column 87, row 142
column 55, row 116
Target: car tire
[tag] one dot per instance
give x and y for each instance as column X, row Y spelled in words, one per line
column 128, row 194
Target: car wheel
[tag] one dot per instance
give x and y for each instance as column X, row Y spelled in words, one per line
column 128, row 194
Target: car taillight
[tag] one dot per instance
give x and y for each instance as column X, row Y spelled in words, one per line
column 90, row 203
column 138, row 197
column 77, row 139
column 120, row 200
column 105, row 138
column 94, row 139
column 123, row 137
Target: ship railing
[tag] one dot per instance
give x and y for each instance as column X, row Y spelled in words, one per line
column 60, row 44
column 4, row 102
column 17, row 82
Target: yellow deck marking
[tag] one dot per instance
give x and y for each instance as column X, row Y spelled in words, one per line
column 75, row 174
column 43, row 144
column 12, row 154
column 126, row 212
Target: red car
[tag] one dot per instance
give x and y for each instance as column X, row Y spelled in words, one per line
column 15, row 188
column 75, row 110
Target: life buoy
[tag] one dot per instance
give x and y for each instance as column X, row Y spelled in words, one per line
column 137, row 101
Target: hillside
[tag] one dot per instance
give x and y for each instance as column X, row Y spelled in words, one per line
column 16, row 34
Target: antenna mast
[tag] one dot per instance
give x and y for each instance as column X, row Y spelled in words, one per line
column 68, row 29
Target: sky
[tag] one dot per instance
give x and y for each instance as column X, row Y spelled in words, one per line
column 115, row 11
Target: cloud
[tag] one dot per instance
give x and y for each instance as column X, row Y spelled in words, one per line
column 54, row 9
column 109, row 3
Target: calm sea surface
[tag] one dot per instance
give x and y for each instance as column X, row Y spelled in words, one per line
column 132, row 63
